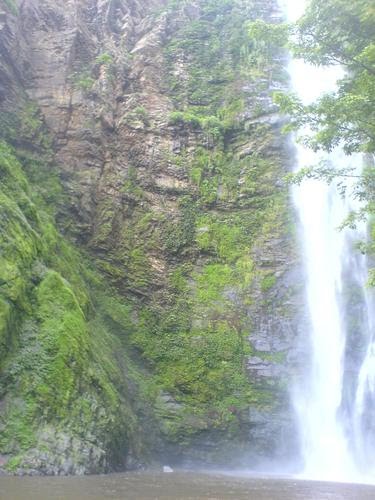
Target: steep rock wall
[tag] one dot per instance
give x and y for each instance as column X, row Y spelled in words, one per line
column 169, row 151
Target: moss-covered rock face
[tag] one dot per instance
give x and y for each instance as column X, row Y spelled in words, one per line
column 66, row 397
column 159, row 324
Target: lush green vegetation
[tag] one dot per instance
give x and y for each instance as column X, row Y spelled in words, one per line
column 194, row 332
column 215, row 50
column 339, row 32
column 171, row 289
column 59, row 364
column 330, row 33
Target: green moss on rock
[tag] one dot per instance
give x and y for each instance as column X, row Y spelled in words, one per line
column 66, row 402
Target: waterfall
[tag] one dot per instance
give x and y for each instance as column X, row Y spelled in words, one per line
column 335, row 401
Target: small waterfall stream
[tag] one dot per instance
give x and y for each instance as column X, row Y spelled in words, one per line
column 335, row 403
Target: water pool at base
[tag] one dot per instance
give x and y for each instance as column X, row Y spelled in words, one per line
column 178, row 485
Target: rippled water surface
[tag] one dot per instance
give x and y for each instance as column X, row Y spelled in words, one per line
column 180, row 485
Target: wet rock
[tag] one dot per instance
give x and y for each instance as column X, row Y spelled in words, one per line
column 122, row 163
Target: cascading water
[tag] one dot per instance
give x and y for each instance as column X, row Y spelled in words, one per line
column 335, row 403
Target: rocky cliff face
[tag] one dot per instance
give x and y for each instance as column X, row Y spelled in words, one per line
column 145, row 132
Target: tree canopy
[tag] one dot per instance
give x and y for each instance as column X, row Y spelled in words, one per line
column 334, row 32
column 337, row 32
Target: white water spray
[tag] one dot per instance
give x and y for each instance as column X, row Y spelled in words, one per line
column 333, row 440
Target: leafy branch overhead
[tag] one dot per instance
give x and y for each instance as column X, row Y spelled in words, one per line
column 331, row 32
